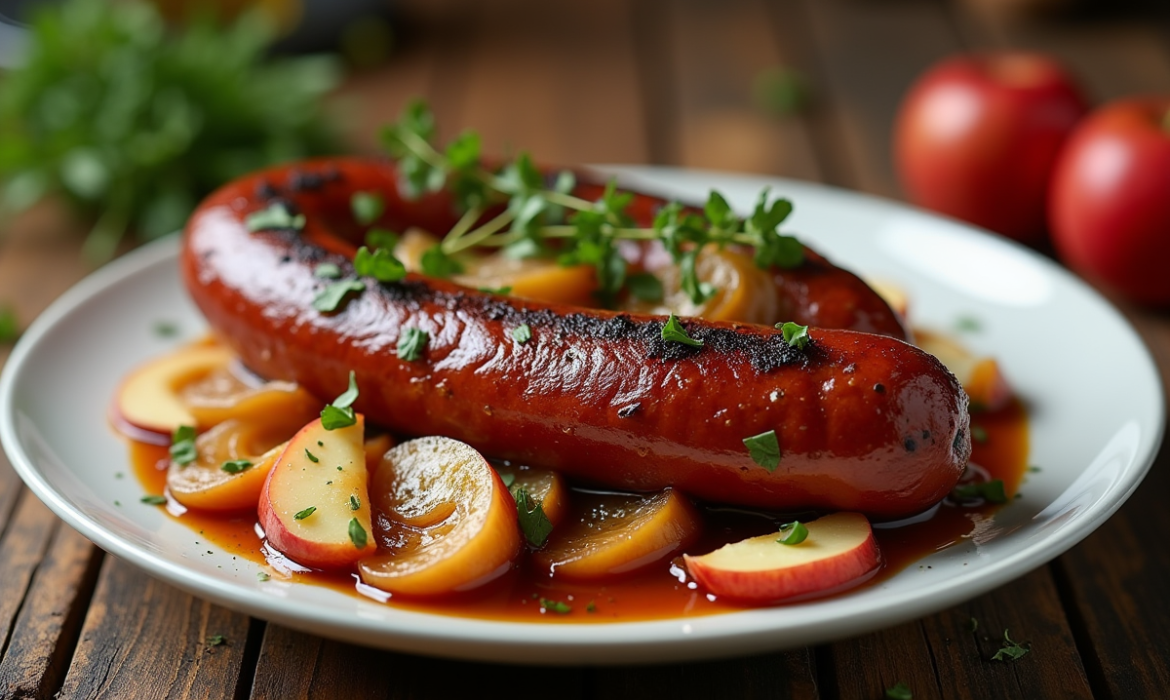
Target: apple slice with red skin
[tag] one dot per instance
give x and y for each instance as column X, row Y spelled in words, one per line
column 981, row 377
column 315, row 506
column 446, row 522
column 840, row 551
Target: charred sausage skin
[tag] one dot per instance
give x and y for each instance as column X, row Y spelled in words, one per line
column 864, row 422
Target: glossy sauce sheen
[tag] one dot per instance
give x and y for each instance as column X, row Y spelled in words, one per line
column 659, row 592
column 864, row 422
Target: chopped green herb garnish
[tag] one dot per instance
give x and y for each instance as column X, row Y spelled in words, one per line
column 978, row 433
column 794, row 334
column 1011, row 651
column 340, row 414
column 764, row 449
column 216, row 640
column 236, row 466
column 522, row 333
column 262, row 576
column 163, row 329
column 508, row 480
column 796, row 530
column 380, row 264
column 381, row 238
column 9, row 328
column 645, row 287
column 354, row 503
column 1034, row 468
column 436, row 263
column 411, row 343
column 182, row 450
column 154, row 499
column 591, row 607
column 330, row 299
column 533, row 522
column 673, row 332
column 367, row 207
column 277, row 215
column 991, row 491
column 357, row 534
column 556, row 606
column 969, row 324
column 503, row 291
column 327, row 271
column 302, row 514
column 899, row 691
column 973, row 625
column 312, row 457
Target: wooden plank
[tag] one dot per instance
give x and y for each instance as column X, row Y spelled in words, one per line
column 11, row 488
column 297, row 665
column 781, row 676
column 867, row 666
column 21, row 551
column 43, row 638
column 145, row 639
column 717, row 53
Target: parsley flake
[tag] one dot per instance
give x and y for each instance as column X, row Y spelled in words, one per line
column 764, row 449
column 899, row 691
column 330, row 299
column 9, row 327
column 990, row 491
column 795, row 334
column 302, row 514
column 367, row 207
column 508, row 480
column 645, row 287
column 533, row 522
column 797, row 533
column 340, row 414
column 216, row 640
column 357, row 534
column 436, row 263
column 163, row 329
column 236, row 466
column 556, row 606
column 1011, row 651
column 380, row 264
column 381, row 238
column 354, row 503
column 262, row 576
column 154, row 499
column 673, row 332
column 411, row 343
column 182, row 447
column 312, row 457
column 978, row 434
column 522, row 333
column 327, row 271
column 276, row 216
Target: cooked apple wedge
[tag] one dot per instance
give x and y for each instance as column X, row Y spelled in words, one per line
column 445, row 517
column 315, row 506
column 610, row 534
column 838, row 551
column 543, row 486
column 980, row 376
column 196, row 386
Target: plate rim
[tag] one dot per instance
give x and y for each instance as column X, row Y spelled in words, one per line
column 590, row 642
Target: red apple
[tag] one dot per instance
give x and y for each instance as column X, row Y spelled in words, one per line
column 840, row 550
column 978, row 136
column 315, row 506
column 1110, row 199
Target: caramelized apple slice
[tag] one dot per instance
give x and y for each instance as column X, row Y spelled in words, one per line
column 315, row 505
column 231, row 464
column 743, row 292
column 534, row 278
column 617, row 533
column 839, row 550
column 196, row 386
column 547, row 487
column 444, row 516
column 892, row 293
column 980, row 376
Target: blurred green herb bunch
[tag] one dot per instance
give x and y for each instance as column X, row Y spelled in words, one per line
column 133, row 121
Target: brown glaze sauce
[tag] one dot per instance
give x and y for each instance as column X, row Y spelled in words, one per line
column 660, row 591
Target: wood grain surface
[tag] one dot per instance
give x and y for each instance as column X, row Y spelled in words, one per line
column 659, row 81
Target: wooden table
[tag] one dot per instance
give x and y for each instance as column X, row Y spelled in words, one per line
column 641, row 82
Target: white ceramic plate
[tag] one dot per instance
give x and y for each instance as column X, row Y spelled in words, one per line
column 1093, row 392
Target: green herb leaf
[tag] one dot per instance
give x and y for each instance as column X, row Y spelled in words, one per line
column 968, row 324
column 357, row 534
column 978, row 433
column 436, row 263
column 302, row 514
column 216, row 640
column 673, row 332
column 367, row 207
column 276, row 216
column 380, row 264
column 327, row 271
column 182, row 448
column 645, row 287
column 354, row 503
column 795, row 334
column 312, row 457
column 503, row 291
column 764, row 449
column 591, row 607
column 347, row 397
column 154, row 499
column 411, row 343
column 381, row 238
column 340, row 413
column 1011, row 651
column 899, row 691
column 797, row 533
column 236, row 466
column 556, row 606
column 697, row 290
column 990, row 491
column 262, row 576
column 508, row 480
column 533, row 522
column 522, row 333
column 331, row 298
column 780, row 91
column 163, row 329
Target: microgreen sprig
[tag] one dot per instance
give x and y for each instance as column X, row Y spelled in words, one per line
column 533, row 212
